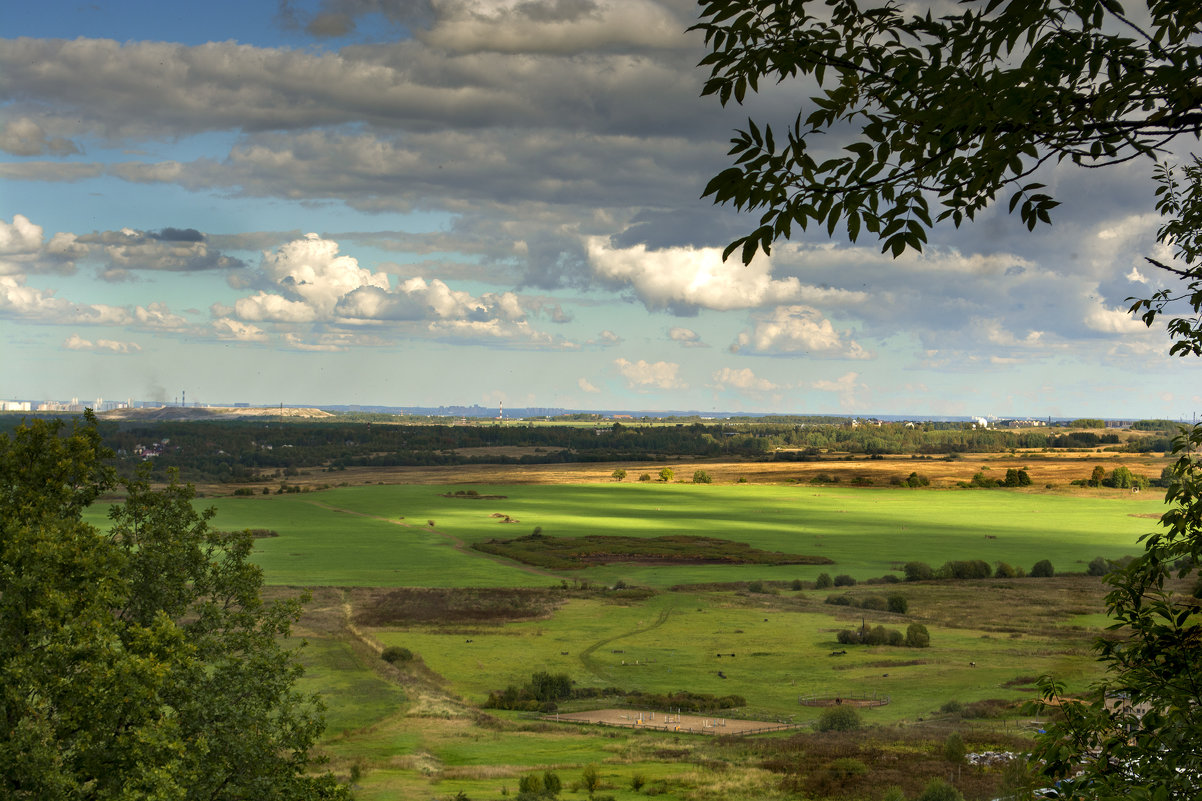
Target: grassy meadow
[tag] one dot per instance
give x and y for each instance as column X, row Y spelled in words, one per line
column 380, row 535
column 416, row 730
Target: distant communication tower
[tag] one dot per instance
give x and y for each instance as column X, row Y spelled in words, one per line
column 501, row 410
column 184, row 398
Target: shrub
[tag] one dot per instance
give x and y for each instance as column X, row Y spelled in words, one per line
column 701, row 477
column 1016, row 478
column 895, row 639
column 952, row 708
column 645, row 477
column 964, row 569
column 618, row 474
column 918, row 571
column 395, row 653
column 844, row 580
column 953, row 748
column 1004, row 570
column 590, row 780
column 939, row 790
column 916, row 480
column 875, row 603
column 823, row 581
column 1098, row 567
column 841, row 600
column 531, row 784
column 917, row 636
column 666, row 474
column 1043, row 569
column 755, row 586
column 637, row 781
column 796, row 585
column 839, row 718
column 742, row 480
column 848, row 637
column 551, row 783
column 894, row 793
column 878, row 635
column 898, row 604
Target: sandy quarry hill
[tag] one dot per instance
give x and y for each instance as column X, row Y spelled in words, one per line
column 192, row 413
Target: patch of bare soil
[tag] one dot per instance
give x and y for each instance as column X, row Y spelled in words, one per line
column 662, row 721
column 451, row 606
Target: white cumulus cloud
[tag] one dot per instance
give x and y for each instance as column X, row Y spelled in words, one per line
column 684, row 279
column 76, row 342
column 797, row 329
column 847, row 388
column 648, row 375
column 743, row 379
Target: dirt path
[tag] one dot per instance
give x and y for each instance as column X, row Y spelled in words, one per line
column 348, row 620
column 454, row 541
column 594, row 667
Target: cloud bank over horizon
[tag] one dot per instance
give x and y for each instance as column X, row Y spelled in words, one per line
column 511, row 189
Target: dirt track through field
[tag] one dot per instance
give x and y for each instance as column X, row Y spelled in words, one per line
column 592, row 666
column 676, row 723
column 454, row 541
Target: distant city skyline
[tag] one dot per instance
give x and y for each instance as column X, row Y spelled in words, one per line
column 77, row 405
column 481, row 202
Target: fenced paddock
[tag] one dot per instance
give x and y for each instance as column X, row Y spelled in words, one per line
column 849, row 699
column 672, row 722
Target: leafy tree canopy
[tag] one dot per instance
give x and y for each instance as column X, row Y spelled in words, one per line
column 951, row 111
column 139, row 662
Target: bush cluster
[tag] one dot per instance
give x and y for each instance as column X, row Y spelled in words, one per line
column 533, row 786
column 979, row 569
column 1121, row 478
column 839, row 718
column 916, row 636
column 1014, row 478
column 913, row 480
column 395, row 653
column 878, row 635
column 544, row 691
column 877, row 603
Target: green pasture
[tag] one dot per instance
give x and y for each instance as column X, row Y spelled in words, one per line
column 770, row 656
column 354, row 695
column 867, row 532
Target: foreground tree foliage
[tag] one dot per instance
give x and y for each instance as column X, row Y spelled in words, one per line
column 1140, row 735
column 957, row 109
column 138, row 663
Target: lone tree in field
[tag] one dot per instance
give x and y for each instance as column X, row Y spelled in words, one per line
column 666, row 474
column 618, row 474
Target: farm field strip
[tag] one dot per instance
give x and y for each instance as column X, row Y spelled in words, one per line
column 867, row 532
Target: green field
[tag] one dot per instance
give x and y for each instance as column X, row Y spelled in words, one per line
column 866, row 532
column 417, row 732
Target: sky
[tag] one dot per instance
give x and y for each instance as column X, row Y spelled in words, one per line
column 444, row 202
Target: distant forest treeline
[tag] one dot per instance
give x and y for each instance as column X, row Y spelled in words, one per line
column 236, row 451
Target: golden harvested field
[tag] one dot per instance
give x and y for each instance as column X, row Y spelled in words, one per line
column 1044, row 468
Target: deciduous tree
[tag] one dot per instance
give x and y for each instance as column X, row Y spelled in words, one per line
column 956, row 109
column 138, row 662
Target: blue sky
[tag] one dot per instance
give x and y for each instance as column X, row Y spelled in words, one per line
column 472, row 201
